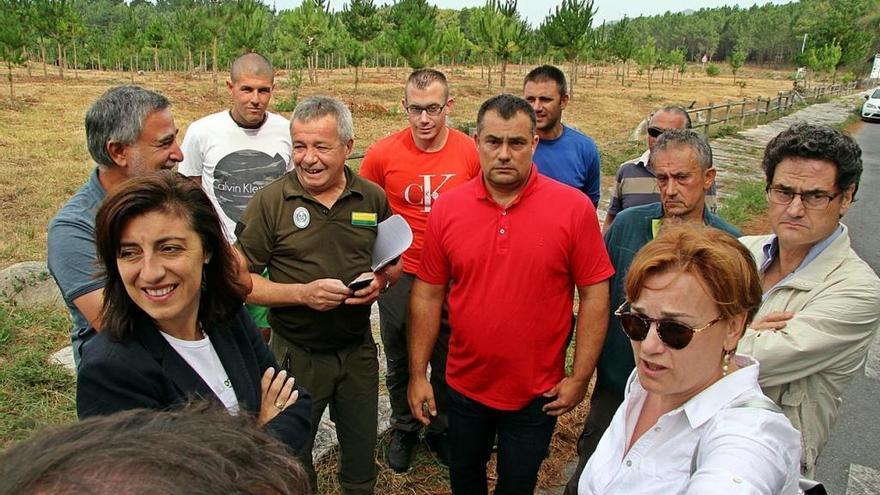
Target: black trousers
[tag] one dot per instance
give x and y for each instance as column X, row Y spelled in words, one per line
column 523, row 442
column 393, row 313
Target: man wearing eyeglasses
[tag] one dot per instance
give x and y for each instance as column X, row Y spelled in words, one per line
column 415, row 166
column 681, row 161
column 635, row 184
column 821, row 301
column 564, row 153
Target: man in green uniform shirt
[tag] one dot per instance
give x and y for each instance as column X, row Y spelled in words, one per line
column 314, row 230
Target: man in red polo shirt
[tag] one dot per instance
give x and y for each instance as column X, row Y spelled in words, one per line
column 511, row 245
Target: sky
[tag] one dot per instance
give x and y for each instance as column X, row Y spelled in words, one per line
column 534, row 11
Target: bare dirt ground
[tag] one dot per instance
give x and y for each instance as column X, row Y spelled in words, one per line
column 43, row 158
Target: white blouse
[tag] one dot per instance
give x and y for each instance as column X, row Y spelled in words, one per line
column 201, row 356
column 742, row 450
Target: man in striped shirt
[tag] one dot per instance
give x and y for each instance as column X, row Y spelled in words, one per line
column 635, row 184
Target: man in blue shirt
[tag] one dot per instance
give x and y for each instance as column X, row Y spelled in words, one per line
column 130, row 132
column 564, row 154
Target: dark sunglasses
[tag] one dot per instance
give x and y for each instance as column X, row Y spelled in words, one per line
column 674, row 334
column 655, row 132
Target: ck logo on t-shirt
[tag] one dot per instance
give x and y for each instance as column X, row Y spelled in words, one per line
column 427, row 192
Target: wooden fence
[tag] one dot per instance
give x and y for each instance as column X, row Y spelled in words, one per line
column 737, row 113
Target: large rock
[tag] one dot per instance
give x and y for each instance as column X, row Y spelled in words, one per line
column 29, row 285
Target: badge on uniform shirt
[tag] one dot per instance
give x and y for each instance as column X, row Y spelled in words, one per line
column 301, row 217
column 363, row 219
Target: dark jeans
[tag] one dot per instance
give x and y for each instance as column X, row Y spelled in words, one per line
column 523, row 443
column 393, row 313
column 603, row 405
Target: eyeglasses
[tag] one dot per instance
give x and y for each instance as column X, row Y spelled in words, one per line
column 812, row 200
column 655, row 132
column 432, row 110
column 673, row 334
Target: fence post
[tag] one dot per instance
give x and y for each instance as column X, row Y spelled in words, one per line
column 708, row 121
column 757, row 110
column 742, row 114
column 727, row 113
column 779, row 104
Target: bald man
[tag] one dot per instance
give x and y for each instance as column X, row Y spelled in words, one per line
column 235, row 152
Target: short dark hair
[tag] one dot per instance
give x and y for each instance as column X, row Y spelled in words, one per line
column 422, row 78
column 252, row 64
column 684, row 137
column 548, row 73
column 118, row 116
column 168, row 192
column 676, row 110
column 820, row 142
column 507, row 105
column 198, row 450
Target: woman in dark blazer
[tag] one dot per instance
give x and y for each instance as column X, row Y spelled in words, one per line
column 174, row 326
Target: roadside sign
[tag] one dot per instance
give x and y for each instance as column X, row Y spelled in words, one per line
column 875, row 72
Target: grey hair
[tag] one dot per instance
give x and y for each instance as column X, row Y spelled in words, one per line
column 118, row 116
column 677, row 110
column 684, row 137
column 315, row 107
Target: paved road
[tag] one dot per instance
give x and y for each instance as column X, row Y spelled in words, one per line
column 850, row 463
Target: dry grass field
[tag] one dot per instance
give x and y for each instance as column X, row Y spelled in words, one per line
column 43, row 161
column 43, row 158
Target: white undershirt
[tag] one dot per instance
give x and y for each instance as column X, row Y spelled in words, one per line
column 203, row 359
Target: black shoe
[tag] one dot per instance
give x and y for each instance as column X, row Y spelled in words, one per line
column 438, row 443
column 401, row 449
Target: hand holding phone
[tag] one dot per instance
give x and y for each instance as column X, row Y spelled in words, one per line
column 360, row 283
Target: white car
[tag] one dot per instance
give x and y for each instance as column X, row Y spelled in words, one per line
column 871, row 108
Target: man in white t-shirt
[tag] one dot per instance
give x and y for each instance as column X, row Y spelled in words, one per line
column 234, row 153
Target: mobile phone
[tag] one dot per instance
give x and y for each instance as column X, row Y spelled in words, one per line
column 360, row 283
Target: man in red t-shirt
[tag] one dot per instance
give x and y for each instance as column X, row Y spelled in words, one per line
column 511, row 246
column 414, row 166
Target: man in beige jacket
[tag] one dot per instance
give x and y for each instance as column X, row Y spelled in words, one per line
column 821, row 301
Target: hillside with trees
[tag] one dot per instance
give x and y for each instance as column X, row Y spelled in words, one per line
column 64, row 36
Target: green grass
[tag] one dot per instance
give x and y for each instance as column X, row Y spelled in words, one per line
column 724, row 130
column 854, row 116
column 33, row 393
column 612, row 155
column 749, row 200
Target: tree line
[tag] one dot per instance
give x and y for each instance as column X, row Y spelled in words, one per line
column 205, row 35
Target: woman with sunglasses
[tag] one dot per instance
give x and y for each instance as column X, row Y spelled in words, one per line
column 693, row 419
column 174, row 325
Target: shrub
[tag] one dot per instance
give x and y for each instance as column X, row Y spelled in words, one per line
column 847, row 78
column 293, row 82
column 712, row 70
